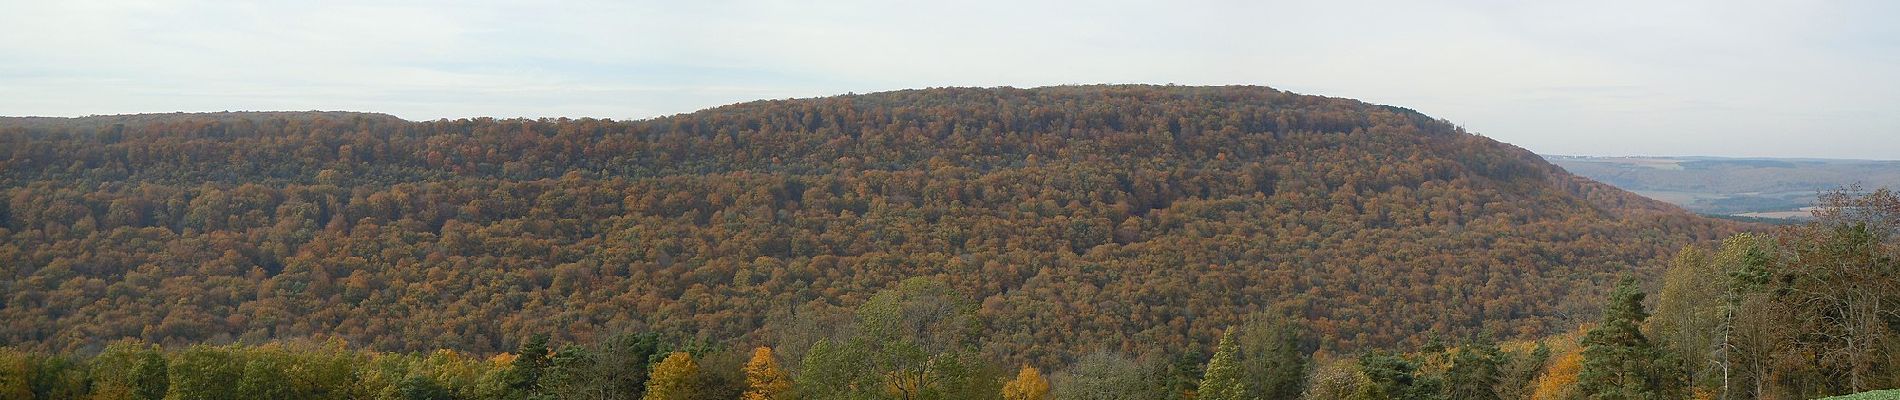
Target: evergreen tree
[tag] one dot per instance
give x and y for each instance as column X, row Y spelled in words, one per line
column 1273, row 358
column 1473, row 374
column 1619, row 363
column 1389, row 376
column 1223, row 380
column 530, row 363
column 421, row 387
column 1180, row 376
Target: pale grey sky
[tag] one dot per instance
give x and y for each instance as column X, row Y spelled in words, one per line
column 1737, row 78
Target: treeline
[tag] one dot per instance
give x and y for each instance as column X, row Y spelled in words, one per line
column 1804, row 312
column 1810, row 311
column 916, row 341
column 1076, row 218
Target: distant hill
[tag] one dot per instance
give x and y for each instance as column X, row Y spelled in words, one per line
column 102, row 122
column 1077, row 218
column 1750, row 187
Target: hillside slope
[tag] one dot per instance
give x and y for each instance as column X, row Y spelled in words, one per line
column 1079, row 218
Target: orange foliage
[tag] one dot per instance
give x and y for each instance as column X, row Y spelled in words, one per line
column 1559, row 382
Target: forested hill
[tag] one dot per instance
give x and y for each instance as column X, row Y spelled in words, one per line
column 1075, row 218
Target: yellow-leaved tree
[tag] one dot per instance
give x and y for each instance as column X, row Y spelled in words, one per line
column 763, row 378
column 1560, row 382
column 1028, row 385
column 673, row 378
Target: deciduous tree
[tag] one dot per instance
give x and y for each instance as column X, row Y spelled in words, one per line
column 1028, row 385
column 764, row 379
column 673, row 378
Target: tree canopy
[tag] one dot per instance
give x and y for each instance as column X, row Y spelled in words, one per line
column 1075, row 219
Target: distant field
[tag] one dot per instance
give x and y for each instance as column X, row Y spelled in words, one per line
column 1744, row 187
column 1874, row 395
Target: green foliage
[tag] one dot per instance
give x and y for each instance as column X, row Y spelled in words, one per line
column 1390, row 376
column 264, row 378
column 836, row 371
column 1474, row 372
column 148, row 378
column 531, row 362
column 1105, row 375
column 204, row 373
column 116, row 372
column 1339, row 379
column 421, row 387
column 1224, row 379
column 1870, row 395
column 921, row 337
column 1273, row 356
column 16, row 374
column 1182, row 375
column 1619, row 362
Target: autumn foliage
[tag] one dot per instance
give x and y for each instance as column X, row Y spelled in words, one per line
column 1559, row 382
column 673, row 378
column 764, row 379
column 1076, row 219
column 1028, row 385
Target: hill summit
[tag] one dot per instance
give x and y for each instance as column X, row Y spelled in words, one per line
column 1076, row 218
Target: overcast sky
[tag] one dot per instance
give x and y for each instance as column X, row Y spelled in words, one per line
column 1737, row 78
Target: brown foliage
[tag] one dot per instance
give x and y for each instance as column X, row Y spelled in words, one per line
column 1109, row 216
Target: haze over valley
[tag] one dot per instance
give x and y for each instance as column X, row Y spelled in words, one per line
column 1773, row 188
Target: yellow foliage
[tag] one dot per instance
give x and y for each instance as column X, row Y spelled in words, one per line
column 672, row 378
column 14, row 369
column 764, row 380
column 1559, row 382
column 503, row 359
column 1028, row 385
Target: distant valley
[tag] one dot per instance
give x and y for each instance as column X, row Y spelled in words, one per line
column 1774, row 188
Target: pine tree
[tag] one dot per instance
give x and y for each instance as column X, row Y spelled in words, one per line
column 1223, row 378
column 1028, row 385
column 764, row 380
column 1619, row 363
column 1273, row 363
column 1473, row 374
column 673, row 378
column 531, row 363
column 1389, row 376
